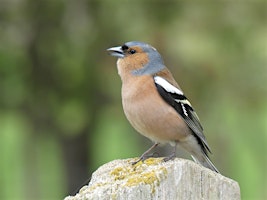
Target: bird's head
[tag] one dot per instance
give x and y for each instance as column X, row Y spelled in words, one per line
column 138, row 58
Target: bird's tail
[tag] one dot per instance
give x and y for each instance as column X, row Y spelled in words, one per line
column 199, row 151
column 204, row 160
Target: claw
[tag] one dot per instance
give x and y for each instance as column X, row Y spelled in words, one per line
column 145, row 155
column 171, row 157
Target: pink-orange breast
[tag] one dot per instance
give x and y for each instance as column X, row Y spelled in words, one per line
column 148, row 113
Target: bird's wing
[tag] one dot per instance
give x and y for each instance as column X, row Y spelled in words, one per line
column 175, row 98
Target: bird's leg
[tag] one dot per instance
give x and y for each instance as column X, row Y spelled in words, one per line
column 145, row 155
column 173, row 154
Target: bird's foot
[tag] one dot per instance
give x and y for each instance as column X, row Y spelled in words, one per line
column 146, row 154
column 170, row 157
column 173, row 154
column 145, row 157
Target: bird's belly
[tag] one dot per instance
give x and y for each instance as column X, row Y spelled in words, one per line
column 155, row 119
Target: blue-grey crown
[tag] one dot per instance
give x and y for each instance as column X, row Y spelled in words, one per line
column 155, row 63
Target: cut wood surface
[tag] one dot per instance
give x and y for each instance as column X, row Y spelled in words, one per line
column 155, row 179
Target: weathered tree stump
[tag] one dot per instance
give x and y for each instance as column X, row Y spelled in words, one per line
column 155, row 179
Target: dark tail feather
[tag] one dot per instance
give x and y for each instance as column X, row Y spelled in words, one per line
column 205, row 161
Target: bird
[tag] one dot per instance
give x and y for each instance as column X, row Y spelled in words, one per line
column 155, row 105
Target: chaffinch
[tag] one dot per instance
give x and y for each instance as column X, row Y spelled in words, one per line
column 155, row 105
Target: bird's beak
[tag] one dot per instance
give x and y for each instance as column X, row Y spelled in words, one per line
column 116, row 51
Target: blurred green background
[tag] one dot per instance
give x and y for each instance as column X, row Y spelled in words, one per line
column 60, row 106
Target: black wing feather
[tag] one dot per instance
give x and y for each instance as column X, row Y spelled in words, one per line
column 187, row 112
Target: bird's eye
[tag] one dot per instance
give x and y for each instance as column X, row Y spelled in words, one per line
column 132, row 51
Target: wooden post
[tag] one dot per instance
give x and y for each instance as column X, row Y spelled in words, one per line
column 157, row 180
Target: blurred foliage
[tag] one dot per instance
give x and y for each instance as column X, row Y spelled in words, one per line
column 60, row 109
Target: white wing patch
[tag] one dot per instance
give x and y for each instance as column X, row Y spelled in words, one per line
column 184, row 109
column 166, row 85
column 185, row 101
column 171, row 89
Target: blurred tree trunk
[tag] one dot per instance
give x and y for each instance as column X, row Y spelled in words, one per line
column 46, row 32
